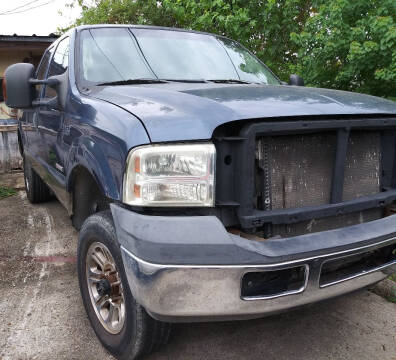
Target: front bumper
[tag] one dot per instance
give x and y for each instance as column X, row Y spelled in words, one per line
column 171, row 266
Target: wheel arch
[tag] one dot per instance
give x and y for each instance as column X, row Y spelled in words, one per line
column 87, row 195
column 81, row 171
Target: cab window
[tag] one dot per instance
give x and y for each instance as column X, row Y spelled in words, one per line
column 59, row 64
column 42, row 69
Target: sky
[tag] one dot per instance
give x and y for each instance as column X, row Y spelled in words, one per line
column 40, row 17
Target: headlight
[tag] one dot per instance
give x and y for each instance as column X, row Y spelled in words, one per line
column 170, row 175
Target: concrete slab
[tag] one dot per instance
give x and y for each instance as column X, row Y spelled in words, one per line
column 13, row 180
column 42, row 316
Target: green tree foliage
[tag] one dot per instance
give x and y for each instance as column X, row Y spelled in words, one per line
column 343, row 44
column 350, row 45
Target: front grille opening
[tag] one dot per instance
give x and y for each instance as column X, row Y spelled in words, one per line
column 296, row 171
column 268, row 284
column 337, row 270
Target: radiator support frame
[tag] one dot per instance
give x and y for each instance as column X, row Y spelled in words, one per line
column 237, row 184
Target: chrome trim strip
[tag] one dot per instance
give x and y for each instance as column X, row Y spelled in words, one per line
column 59, row 167
column 378, row 268
column 264, row 266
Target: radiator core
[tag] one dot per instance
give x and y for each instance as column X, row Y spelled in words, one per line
column 298, row 170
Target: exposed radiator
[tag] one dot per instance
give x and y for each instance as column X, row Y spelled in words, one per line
column 298, row 171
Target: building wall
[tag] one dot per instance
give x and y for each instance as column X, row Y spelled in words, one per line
column 14, row 56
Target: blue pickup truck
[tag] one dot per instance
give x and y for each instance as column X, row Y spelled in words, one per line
column 204, row 188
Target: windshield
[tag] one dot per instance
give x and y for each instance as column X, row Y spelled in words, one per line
column 117, row 54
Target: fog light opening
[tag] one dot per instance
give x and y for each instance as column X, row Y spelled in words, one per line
column 276, row 283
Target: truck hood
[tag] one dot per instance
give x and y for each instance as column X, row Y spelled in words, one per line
column 180, row 111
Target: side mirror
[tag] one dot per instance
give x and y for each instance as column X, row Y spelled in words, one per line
column 296, row 80
column 60, row 84
column 19, row 93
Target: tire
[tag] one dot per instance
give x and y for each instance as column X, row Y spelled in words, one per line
column 138, row 333
column 36, row 189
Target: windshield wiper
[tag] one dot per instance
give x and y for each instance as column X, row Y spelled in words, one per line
column 219, row 81
column 162, row 81
column 133, row 81
column 230, row 81
column 186, row 80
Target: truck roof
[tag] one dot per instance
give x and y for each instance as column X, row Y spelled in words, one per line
column 135, row 26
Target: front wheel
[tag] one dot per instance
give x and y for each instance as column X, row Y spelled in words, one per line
column 122, row 325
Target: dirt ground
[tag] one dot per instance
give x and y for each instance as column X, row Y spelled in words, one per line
column 42, row 316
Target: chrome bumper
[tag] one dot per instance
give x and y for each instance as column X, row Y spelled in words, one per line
column 189, row 268
column 179, row 293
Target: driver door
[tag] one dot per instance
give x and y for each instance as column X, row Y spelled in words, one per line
column 50, row 121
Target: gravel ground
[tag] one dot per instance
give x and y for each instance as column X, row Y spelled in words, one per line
column 42, row 316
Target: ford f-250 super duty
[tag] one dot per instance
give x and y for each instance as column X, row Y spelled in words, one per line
column 203, row 187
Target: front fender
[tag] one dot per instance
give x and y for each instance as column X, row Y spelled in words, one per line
column 91, row 157
column 100, row 136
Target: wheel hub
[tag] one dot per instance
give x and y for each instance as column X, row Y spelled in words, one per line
column 105, row 288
